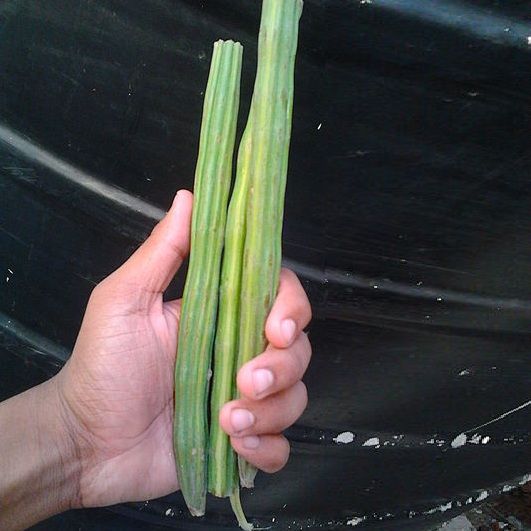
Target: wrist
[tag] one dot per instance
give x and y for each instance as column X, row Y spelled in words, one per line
column 59, row 433
column 40, row 468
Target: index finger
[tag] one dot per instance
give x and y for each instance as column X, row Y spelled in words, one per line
column 291, row 311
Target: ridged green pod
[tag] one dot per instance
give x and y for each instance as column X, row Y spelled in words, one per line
column 270, row 132
column 200, row 298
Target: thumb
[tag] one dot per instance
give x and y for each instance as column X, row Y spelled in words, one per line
column 155, row 262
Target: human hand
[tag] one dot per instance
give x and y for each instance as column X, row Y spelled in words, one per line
column 116, row 390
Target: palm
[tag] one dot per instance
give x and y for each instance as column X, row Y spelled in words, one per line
column 124, row 398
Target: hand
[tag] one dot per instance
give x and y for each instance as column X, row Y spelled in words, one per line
column 116, row 390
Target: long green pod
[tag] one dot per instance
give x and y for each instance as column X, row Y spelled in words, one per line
column 200, row 298
column 222, row 466
column 270, row 132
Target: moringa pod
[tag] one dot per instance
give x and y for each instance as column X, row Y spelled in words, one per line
column 200, row 299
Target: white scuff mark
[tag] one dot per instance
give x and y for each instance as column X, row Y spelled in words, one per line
column 273, row 519
column 475, row 439
column 357, row 520
column 465, row 372
column 469, row 501
column 525, row 479
column 169, row 512
column 485, row 439
column 507, row 488
column 375, row 286
column 529, row 40
column 439, row 509
column 500, row 417
column 7, row 279
column 430, row 441
column 344, row 438
column 362, row 2
column 319, row 126
column 482, row 496
column 473, row 94
column 10, row 270
column 373, row 441
column 284, row 506
column 459, row 441
column 439, row 299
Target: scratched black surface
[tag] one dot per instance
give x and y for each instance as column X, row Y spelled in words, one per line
column 407, row 218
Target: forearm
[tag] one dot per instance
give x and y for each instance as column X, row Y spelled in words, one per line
column 39, row 470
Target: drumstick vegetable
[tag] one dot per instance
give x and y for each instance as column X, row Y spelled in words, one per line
column 269, row 139
column 200, row 298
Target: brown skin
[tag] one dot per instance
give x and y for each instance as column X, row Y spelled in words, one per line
column 100, row 431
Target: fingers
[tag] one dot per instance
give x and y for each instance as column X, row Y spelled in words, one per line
column 291, row 311
column 268, row 452
column 271, row 415
column 275, row 369
column 156, row 261
column 273, row 395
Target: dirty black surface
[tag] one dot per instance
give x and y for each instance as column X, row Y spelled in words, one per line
column 407, row 219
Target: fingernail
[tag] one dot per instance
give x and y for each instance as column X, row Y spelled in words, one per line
column 241, row 419
column 251, row 442
column 288, row 329
column 262, row 380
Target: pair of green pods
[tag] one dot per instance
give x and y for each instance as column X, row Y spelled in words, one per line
column 235, row 252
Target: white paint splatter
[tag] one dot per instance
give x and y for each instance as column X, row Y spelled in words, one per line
column 485, row 439
column 439, row 509
column 465, row 372
column 357, row 520
column 475, row 439
column 373, row 441
column 507, row 488
column 319, row 126
column 525, row 479
column 459, row 441
column 344, row 438
column 439, row 299
column 169, row 512
column 362, row 2
column 10, row 270
column 482, row 496
column 529, row 40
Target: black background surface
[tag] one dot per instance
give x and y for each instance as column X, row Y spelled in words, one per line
column 407, row 219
